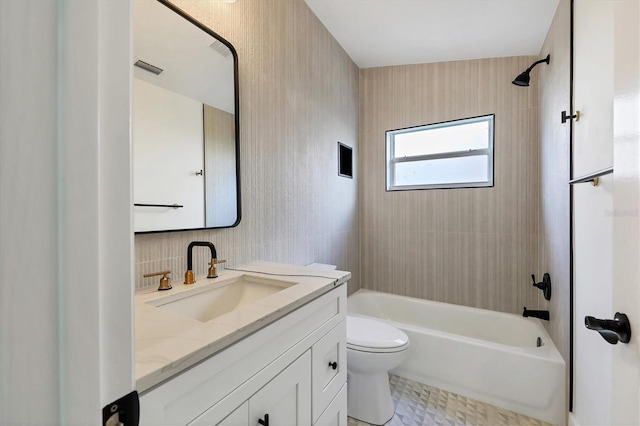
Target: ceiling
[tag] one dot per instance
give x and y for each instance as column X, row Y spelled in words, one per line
column 378, row 33
column 191, row 67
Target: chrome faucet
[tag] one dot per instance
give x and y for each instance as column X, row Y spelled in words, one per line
column 212, row 273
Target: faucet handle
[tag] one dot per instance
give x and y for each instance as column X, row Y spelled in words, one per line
column 544, row 285
column 164, row 281
column 213, row 273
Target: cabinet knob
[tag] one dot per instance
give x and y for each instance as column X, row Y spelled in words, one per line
column 333, row 365
column 264, row 422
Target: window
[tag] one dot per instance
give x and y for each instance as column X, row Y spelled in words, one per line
column 454, row 154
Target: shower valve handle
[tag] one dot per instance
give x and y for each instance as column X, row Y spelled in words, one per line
column 545, row 285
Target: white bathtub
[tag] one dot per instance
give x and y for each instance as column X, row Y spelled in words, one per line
column 484, row 355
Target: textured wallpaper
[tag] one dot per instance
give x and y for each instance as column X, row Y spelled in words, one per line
column 299, row 95
column 298, row 98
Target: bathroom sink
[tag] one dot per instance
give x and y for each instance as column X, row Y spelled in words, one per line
column 209, row 302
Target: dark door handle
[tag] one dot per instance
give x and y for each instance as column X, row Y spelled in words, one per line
column 264, row 422
column 333, row 365
column 617, row 329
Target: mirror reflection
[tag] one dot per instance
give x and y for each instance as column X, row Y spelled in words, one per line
column 185, row 141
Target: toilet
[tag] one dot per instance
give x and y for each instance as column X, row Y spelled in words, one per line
column 373, row 348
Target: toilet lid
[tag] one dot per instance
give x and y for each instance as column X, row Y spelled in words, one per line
column 374, row 336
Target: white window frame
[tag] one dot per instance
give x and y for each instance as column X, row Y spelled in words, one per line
column 392, row 161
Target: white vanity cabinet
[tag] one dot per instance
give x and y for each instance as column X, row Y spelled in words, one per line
column 328, row 371
column 239, row 416
column 336, row 412
column 285, row 400
column 284, row 370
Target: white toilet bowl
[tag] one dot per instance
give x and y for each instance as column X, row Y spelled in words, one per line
column 373, row 348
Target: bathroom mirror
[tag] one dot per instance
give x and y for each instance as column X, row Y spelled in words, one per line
column 185, row 123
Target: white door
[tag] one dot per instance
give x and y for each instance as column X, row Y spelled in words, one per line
column 286, row 399
column 167, row 134
column 606, row 255
column 66, row 298
column 626, row 202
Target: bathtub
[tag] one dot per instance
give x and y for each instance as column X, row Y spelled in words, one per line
column 501, row 359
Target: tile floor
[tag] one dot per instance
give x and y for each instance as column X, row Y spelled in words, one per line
column 421, row 405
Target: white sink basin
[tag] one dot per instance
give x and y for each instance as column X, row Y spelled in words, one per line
column 209, row 302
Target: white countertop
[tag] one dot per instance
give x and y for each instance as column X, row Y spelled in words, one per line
column 167, row 343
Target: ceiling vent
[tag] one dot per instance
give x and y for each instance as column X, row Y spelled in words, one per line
column 148, row 67
column 221, row 48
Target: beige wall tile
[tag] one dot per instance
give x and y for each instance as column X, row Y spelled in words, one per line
column 462, row 272
column 554, row 211
column 482, row 240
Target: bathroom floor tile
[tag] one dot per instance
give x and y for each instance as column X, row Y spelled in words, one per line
column 418, row 404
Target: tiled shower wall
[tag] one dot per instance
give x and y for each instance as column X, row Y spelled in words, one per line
column 475, row 247
column 298, row 98
column 554, row 243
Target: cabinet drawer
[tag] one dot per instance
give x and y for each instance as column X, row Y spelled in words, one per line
column 239, row 417
column 336, row 412
column 328, row 367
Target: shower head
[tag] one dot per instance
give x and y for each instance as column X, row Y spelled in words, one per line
column 523, row 79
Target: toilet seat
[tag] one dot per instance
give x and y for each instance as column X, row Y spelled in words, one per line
column 369, row 335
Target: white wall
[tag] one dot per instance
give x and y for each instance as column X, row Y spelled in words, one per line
column 29, row 269
column 168, row 149
column 66, row 308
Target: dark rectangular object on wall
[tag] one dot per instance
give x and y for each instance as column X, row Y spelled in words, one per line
column 345, row 160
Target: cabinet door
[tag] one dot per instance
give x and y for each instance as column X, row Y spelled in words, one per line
column 240, row 417
column 329, row 367
column 287, row 398
column 336, row 412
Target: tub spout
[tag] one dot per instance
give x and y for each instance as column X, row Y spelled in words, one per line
column 544, row 315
